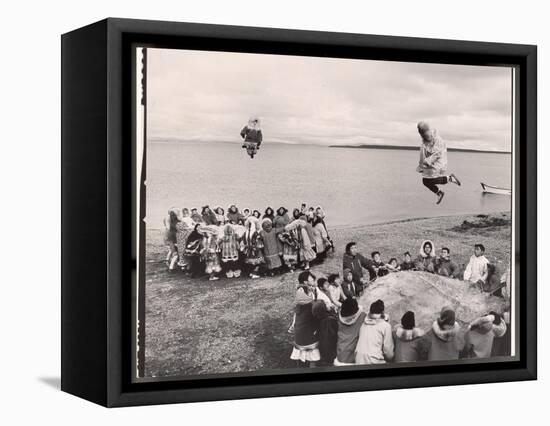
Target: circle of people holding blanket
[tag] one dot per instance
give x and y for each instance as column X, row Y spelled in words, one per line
column 330, row 327
column 214, row 242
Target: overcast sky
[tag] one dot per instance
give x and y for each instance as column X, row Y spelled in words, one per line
column 210, row 95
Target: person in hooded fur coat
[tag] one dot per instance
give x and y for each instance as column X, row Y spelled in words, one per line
column 321, row 237
column 410, row 341
column 196, row 216
column 184, row 227
column 211, row 251
column 209, row 217
column 252, row 246
column 289, row 239
column 234, row 216
column 320, row 217
column 230, row 251
column 281, row 220
column 310, row 233
column 306, row 335
column 350, row 320
column 481, row 334
column 192, row 251
column 307, row 254
column 269, row 214
column 446, row 339
column 273, row 248
column 252, row 132
column 426, row 260
column 375, row 344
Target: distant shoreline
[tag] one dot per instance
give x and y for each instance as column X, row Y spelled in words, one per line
column 155, row 140
column 415, row 148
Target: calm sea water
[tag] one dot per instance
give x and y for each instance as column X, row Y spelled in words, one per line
column 354, row 186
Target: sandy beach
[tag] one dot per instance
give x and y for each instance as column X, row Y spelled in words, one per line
column 194, row 326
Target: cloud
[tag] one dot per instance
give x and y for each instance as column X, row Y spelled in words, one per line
column 210, row 95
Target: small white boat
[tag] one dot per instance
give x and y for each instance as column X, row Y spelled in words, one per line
column 495, row 189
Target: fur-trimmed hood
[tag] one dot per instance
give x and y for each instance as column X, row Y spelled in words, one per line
column 254, row 123
column 445, row 335
column 321, row 210
column 485, row 324
column 352, row 319
column 421, row 251
column 281, row 220
column 408, row 335
column 373, row 319
column 266, row 223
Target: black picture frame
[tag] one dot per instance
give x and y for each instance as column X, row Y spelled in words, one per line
column 97, row 260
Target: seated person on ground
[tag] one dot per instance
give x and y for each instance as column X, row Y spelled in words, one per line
column 445, row 266
column 408, row 264
column 335, row 290
column 392, row 265
column 426, row 258
column 378, row 265
column 476, row 271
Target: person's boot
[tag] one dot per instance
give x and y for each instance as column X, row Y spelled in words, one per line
column 454, row 179
column 440, row 195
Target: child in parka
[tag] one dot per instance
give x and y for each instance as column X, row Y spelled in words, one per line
column 230, row 252
column 210, row 251
column 379, row 266
column 252, row 246
column 335, row 290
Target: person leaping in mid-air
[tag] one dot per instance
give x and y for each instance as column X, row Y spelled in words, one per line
column 252, row 135
column 433, row 161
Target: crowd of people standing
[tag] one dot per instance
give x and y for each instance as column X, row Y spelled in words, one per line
column 214, row 242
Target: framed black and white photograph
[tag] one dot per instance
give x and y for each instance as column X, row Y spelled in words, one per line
column 290, row 212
